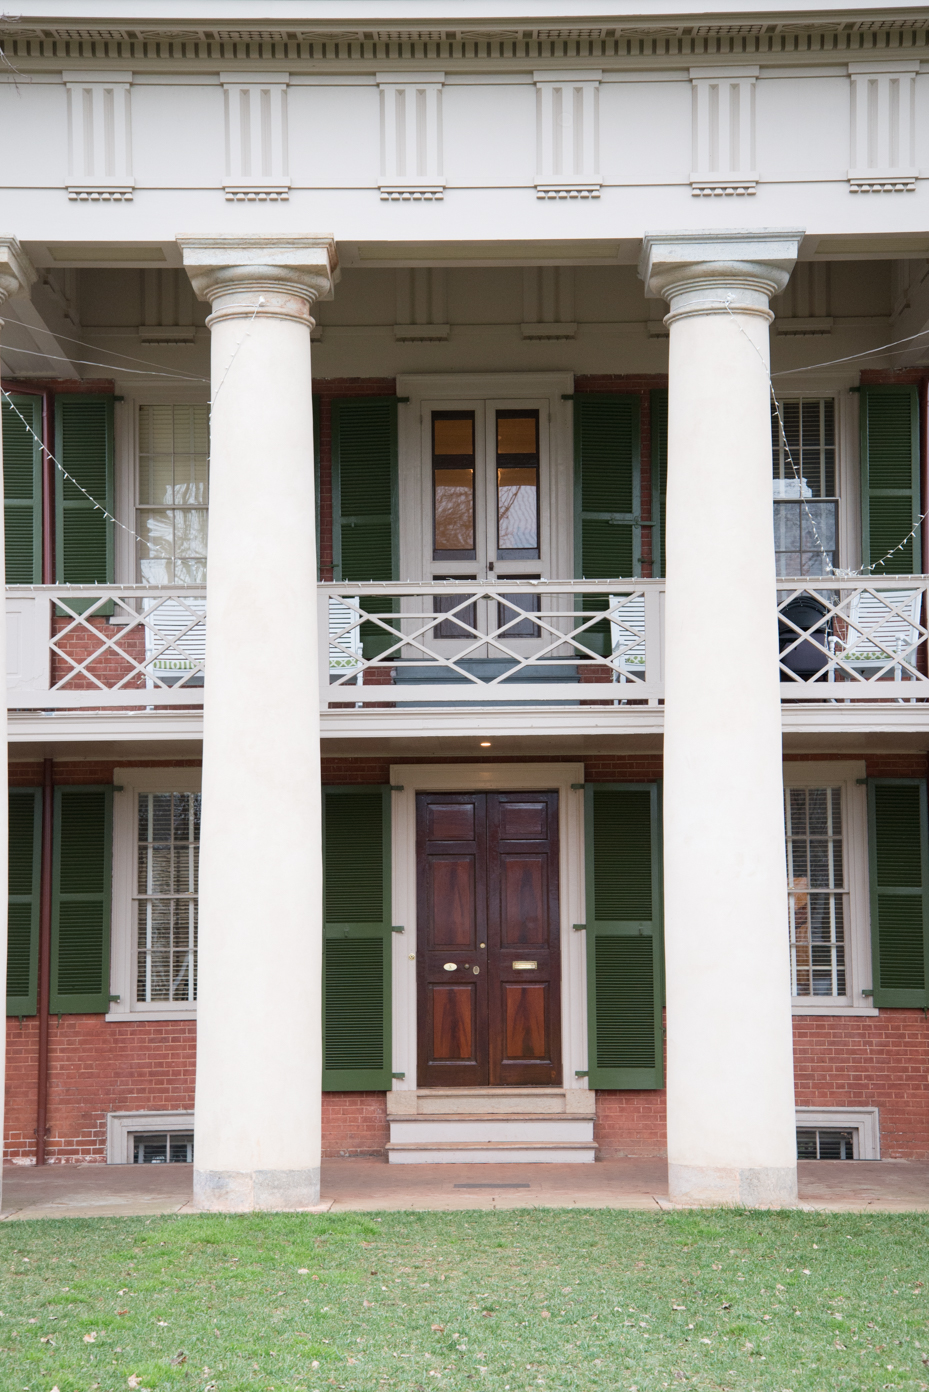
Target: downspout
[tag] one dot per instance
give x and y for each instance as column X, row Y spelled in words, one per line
column 45, row 953
column 48, row 488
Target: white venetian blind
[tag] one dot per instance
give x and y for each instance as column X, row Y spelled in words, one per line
column 816, row 890
column 166, row 898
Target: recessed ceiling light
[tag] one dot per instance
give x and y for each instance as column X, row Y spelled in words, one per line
column 485, row 744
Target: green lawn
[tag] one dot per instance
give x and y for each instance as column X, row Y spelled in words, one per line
column 515, row 1300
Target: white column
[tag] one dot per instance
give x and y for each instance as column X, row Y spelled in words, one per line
column 16, row 278
column 258, row 1030
column 731, row 1126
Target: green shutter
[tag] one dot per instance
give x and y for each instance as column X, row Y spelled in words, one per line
column 898, row 847
column 624, row 938
column 316, row 479
column 890, row 503
column 658, row 405
column 606, row 486
column 80, row 977
column 607, row 539
column 364, row 488
column 357, row 939
column 22, row 949
column 22, row 488
column 84, row 448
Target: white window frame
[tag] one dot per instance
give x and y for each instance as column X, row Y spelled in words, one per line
column 133, row 781
column 848, row 775
column 865, row 1120
column 123, row 1127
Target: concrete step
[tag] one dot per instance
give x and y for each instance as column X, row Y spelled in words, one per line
column 479, row 1130
column 482, row 1101
column 492, row 1153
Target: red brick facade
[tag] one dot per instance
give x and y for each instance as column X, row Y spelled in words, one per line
column 98, row 1067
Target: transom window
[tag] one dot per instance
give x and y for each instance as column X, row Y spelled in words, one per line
column 805, row 486
column 173, row 494
column 166, row 896
column 817, row 890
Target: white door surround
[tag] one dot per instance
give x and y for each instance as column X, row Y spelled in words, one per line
column 465, row 778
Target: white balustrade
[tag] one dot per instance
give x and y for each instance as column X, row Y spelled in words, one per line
column 513, row 642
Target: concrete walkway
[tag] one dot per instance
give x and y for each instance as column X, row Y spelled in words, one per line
column 85, row 1191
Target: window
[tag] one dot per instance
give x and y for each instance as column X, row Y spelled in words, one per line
column 816, row 891
column 453, row 485
column 828, row 918
column 171, row 517
column 805, row 489
column 518, row 485
column 156, row 848
column 168, row 859
column 164, row 1148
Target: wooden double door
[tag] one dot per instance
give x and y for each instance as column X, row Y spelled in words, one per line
column 488, row 959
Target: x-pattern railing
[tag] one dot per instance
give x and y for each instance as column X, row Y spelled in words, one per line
column 513, row 642
column 131, row 645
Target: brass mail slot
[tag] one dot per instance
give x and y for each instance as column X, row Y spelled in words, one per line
column 525, row 966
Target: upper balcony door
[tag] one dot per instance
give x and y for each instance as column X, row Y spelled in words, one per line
column 486, row 515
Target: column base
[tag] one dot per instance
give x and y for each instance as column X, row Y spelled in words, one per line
column 706, row 1185
column 249, row 1191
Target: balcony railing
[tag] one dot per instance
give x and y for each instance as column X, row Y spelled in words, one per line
column 475, row 643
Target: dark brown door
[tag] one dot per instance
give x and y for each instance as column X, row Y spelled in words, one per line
column 488, row 960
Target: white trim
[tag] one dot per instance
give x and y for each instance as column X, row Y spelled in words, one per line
column 122, row 1126
column 866, row 1120
column 845, row 773
column 122, row 947
column 420, row 778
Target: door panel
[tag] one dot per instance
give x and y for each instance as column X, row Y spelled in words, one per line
column 489, row 965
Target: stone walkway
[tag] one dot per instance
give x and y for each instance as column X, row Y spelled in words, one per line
column 86, row 1191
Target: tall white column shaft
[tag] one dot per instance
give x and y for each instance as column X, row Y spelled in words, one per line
column 259, row 1010
column 16, row 278
column 731, row 1120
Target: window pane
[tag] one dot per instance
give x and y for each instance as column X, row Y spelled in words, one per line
column 454, row 509
column 805, row 537
column 453, row 482
column 517, row 434
column 168, row 852
column 173, row 475
column 816, row 884
column 804, row 449
column 518, row 509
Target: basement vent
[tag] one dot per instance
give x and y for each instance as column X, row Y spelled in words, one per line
column 163, row 1148
column 827, row 1144
column 838, row 1133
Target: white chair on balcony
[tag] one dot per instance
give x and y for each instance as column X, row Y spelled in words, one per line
column 345, row 651
column 626, row 623
column 175, row 643
column 881, row 626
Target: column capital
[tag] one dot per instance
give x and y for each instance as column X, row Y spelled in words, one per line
column 17, row 273
column 718, row 272
column 261, row 277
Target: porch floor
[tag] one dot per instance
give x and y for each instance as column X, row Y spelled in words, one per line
column 85, row 1191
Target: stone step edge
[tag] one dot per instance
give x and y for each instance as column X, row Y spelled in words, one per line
column 492, row 1145
column 465, row 1118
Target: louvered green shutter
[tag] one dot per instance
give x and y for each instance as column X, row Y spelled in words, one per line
column 364, row 501
column 357, row 939
column 84, row 447
column 316, row 409
column 606, row 498
column 890, row 503
column 22, row 488
column 658, row 405
column 899, row 863
column 606, row 486
column 22, row 949
column 80, row 976
column 624, row 939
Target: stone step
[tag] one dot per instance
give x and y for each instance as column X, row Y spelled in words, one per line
column 479, row 1130
column 483, row 1101
column 492, row 1153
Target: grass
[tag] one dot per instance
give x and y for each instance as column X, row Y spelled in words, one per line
column 516, row 1300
